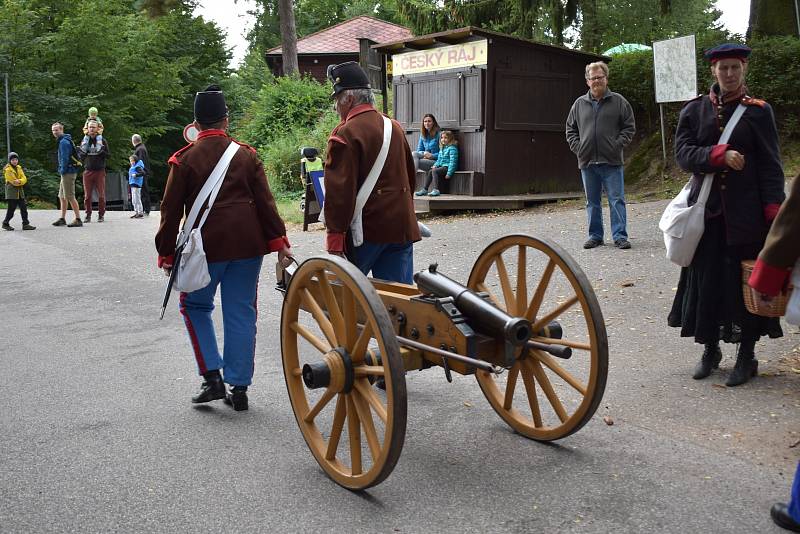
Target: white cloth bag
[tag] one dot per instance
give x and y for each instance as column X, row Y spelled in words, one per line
column 191, row 265
column 793, row 306
column 683, row 225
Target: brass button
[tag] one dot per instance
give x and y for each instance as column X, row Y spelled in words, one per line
column 722, row 187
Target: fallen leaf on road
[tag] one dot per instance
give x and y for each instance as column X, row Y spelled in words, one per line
column 468, row 405
column 720, row 386
column 607, row 420
column 795, row 444
column 626, row 283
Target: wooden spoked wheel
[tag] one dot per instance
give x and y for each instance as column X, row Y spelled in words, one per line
column 541, row 396
column 336, row 327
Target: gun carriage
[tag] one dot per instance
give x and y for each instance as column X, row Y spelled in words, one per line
column 527, row 324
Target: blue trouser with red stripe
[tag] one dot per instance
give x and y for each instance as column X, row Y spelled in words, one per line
column 238, row 282
column 794, row 502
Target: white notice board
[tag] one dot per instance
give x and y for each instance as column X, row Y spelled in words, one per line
column 675, row 69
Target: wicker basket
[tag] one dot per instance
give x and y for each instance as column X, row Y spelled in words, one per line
column 774, row 308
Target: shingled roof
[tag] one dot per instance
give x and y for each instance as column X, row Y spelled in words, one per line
column 343, row 38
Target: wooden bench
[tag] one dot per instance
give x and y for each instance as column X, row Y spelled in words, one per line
column 462, row 183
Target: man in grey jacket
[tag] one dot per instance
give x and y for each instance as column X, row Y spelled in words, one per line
column 599, row 125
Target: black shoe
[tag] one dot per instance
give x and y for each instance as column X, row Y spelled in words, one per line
column 746, row 368
column 88, row 218
column 75, row 224
column 592, row 242
column 708, row 362
column 622, row 243
column 27, row 226
column 8, row 227
column 237, row 398
column 212, row 388
column 101, row 218
column 60, row 222
column 780, row 516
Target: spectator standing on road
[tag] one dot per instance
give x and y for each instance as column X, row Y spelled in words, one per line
column 389, row 223
column 428, row 145
column 68, row 169
column 599, row 125
column 746, row 194
column 770, row 276
column 140, row 150
column 15, row 180
column 94, row 150
column 242, row 226
column 445, row 166
column 135, row 175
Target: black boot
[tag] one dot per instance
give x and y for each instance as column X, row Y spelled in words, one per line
column 212, row 388
column 746, row 364
column 237, row 398
column 780, row 515
column 708, row 362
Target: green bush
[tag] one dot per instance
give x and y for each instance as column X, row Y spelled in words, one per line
column 281, row 157
column 281, row 106
column 771, row 70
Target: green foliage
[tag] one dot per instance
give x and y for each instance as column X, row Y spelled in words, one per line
column 140, row 72
column 42, row 185
column 770, row 75
column 285, row 104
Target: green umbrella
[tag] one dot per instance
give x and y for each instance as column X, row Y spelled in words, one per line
column 625, row 48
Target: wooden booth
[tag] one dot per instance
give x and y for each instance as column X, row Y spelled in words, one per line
column 506, row 98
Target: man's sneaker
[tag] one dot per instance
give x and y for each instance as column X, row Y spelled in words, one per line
column 434, row 193
column 60, row 222
column 75, row 224
column 592, row 243
column 101, row 218
column 8, row 227
column 421, row 193
column 622, row 243
column 237, row 398
column 27, row 226
column 88, row 218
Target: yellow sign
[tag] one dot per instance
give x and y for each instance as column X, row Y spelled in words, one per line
column 446, row 57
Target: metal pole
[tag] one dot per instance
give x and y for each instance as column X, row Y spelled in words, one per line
column 797, row 16
column 8, row 120
column 663, row 137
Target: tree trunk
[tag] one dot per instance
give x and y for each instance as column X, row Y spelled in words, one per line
column 589, row 31
column 772, row 17
column 288, row 37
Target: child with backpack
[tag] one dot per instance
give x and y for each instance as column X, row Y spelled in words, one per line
column 15, row 192
column 135, row 180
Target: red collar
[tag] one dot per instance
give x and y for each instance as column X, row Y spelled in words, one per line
column 210, row 133
column 359, row 109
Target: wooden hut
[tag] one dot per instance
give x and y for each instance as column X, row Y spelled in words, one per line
column 506, row 98
column 336, row 44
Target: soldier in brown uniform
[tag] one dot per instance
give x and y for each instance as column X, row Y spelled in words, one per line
column 242, row 226
column 389, row 223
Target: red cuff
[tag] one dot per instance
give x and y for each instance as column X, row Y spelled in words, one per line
column 767, row 279
column 166, row 260
column 771, row 211
column 717, row 157
column 334, row 242
column 278, row 243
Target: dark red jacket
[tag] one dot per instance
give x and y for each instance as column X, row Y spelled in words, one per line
column 243, row 222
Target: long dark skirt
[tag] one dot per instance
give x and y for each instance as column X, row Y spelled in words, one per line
column 709, row 305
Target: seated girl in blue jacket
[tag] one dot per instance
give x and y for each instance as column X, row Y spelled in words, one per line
column 445, row 166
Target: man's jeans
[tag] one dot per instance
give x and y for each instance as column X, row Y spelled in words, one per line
column 387, row 261
column 596, row 178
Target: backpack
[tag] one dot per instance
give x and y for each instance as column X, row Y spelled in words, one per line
column 74, row 157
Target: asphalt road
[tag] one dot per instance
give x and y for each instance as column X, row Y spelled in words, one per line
column 98, row 434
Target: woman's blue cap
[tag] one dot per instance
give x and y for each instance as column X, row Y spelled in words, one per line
column 728, row 51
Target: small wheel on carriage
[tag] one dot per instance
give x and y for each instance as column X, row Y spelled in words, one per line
column 545, row 285
column 336, row 338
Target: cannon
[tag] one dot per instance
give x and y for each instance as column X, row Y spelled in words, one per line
column 527, row 324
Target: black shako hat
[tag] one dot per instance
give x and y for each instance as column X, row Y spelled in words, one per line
column 348, row 75
column 209, row 105
column 727, row 51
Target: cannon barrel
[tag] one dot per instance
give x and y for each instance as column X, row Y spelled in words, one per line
column 484, row 316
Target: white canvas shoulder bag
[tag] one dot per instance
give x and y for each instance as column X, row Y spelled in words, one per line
column 683, row 225
column 190, row 257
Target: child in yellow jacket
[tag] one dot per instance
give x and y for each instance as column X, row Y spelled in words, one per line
column 15, row 192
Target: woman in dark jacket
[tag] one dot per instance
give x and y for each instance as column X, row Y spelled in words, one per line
column 746, row 194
